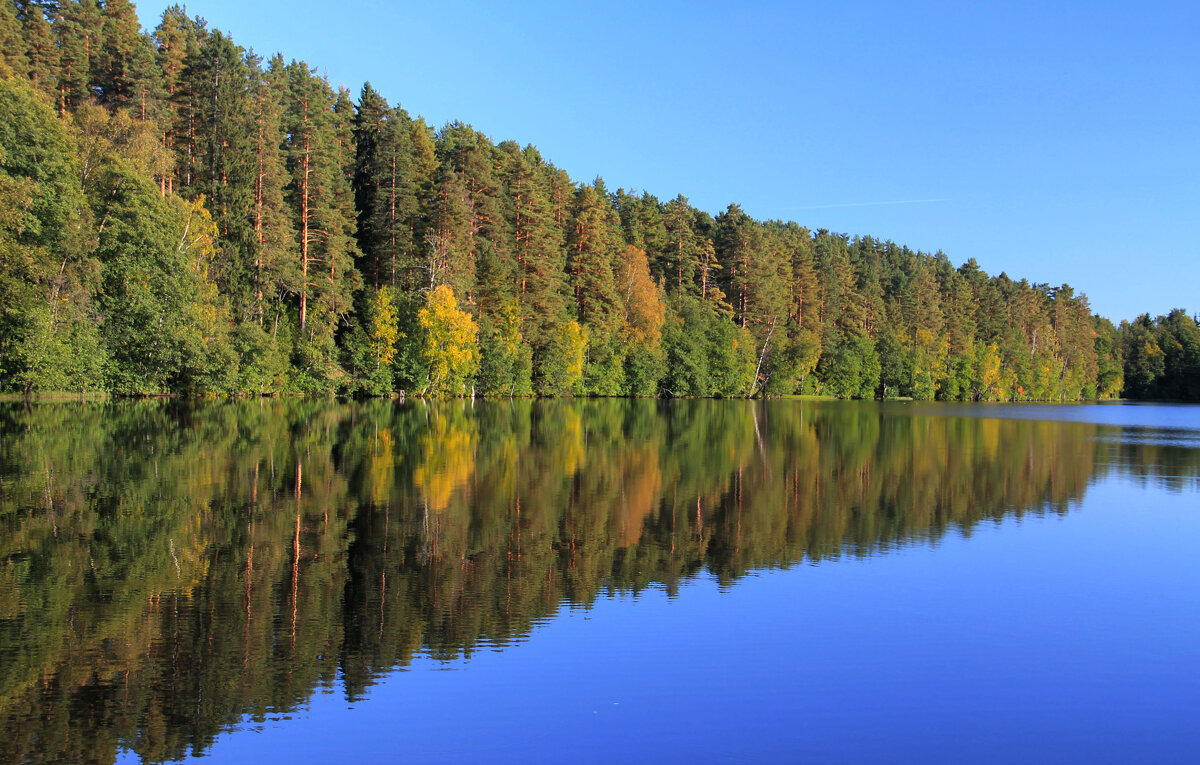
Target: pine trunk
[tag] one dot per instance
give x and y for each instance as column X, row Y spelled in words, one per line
column 304, row 238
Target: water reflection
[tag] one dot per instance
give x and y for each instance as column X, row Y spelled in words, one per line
column 169, row 568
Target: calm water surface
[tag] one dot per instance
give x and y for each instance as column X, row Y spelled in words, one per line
column 594, row 581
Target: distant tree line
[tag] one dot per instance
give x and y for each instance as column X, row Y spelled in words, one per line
column 179, row 215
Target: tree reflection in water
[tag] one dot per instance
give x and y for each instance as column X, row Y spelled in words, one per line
column 170, row 567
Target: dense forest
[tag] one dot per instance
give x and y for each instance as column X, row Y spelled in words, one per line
column 170, row 567
column 181, row 215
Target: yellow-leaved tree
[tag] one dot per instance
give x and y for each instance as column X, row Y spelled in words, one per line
column 449, row 346
column 644, row 316
column 384, row 328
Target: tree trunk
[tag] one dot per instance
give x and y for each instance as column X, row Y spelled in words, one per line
column 304, row 237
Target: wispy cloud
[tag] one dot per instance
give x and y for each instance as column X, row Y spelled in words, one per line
column 872, row 204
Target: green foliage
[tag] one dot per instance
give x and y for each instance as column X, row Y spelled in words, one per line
column 644, row 370
column 165, row 326
column 122, row 71
column 13, row 62
column 262, row 365
column 560, row 367
column 732, row 359
column 321, row 201
column 371, row 348
column 1161, row 357
column 687, row 372
column 853, row 369
column 893, row 369
column 506, row 366
column 1110, row 376
column 48, row 332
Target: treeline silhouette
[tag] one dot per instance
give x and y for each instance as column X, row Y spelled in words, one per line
column 168, row 569
column 179, row 214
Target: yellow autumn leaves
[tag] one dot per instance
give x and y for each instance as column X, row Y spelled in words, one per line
column 449, row 346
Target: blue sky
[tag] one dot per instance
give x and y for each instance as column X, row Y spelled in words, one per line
column 1056, row 142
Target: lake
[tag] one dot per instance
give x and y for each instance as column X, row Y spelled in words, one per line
column 599, row 580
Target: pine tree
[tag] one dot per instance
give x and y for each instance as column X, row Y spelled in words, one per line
column 185, row 106
column 736, row 238
column 325, row 228
column 13, row 61
column 573, row 288
column 682, row 254
column 78, row 28
column 389, row 181
column 539, row 254
column 117, row 62
column 642, row 222
column 469, row 209
column 804, row 328
column 178, row 39
column 276, row 263
column 866, row 260
column 594, row 247
column 418, row 185
column 344, row 153
column 223, row 135
column 959, row 309
column 848, row 358
column 41, row 49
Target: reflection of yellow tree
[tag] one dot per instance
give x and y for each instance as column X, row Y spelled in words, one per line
column 564, row 425
column 641, row 482
column 446, row 459
column 382, row 472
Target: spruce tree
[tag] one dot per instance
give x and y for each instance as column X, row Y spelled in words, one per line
column 368, row 124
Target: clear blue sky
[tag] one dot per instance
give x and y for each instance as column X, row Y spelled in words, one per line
column 1059, row 142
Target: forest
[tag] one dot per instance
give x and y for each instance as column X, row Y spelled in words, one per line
column 180, row 215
